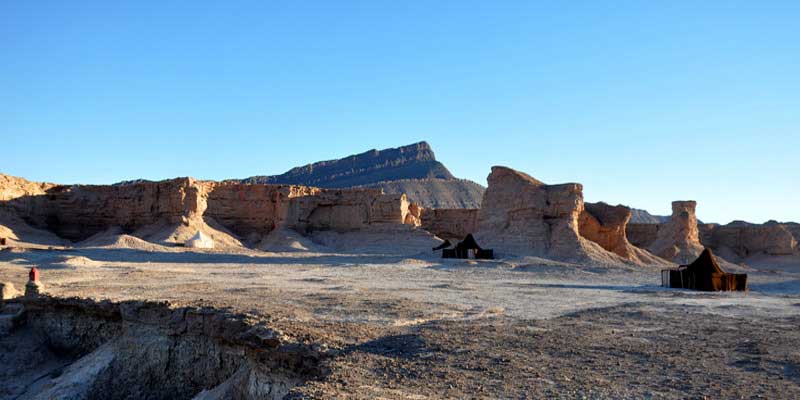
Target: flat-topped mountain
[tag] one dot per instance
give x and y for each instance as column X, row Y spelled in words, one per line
column 415, row 161
column 411, row 169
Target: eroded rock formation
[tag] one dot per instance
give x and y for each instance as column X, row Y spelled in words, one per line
column 734, row 242
column 523, row 216
column 606, row 225
column 739, row 239
column 679, row 239
column 79, row 211
column 175, row 210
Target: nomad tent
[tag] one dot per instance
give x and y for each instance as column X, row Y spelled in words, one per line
column 200, row 241
column 703, row 274
column 463, row 247
column 444, row 245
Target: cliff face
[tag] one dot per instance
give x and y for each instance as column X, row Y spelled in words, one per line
column 605, row 225
column 521, row 215
column 735, row 241
column 741, row 239
column 411, row 169
column 80, row 211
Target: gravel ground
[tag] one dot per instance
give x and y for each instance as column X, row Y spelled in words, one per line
column 417, row 327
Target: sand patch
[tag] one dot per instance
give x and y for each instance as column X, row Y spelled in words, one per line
column 167, row 234
column 379, row 239
column 289, row 241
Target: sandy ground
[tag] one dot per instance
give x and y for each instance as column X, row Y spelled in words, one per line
column 422, row 327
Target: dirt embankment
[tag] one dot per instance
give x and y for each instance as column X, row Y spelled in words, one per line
column 73, row 348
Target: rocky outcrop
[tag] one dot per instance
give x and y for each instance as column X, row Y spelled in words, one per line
column 12, row 187
column 523, row 216
column 739, row 239
column 606, row 225
column 252, row 210
column 679, row 239
column 347, row 210
column 452, row 224
column 173, row 211
column 79, row 211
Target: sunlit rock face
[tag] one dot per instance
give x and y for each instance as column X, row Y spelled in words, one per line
column 679, row 239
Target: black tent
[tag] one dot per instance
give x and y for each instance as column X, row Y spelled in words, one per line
column 705, row 274
column 463, row 247
column 444, row 245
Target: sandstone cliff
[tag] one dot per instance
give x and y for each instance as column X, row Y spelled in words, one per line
column 606, row 225
column 523, row 216
column 739, row 240
column 173, row 211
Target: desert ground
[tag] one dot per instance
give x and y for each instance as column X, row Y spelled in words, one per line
column 416, row 326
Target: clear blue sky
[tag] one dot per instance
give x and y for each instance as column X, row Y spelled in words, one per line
column 643, row 103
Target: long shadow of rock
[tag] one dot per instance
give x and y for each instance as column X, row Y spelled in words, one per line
column 396, row 346
column 191, row 257
column 784, row 287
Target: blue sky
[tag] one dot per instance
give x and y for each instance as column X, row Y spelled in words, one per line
column 643, row 103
